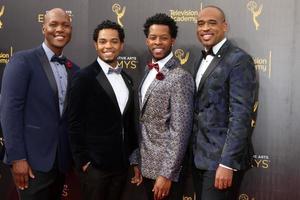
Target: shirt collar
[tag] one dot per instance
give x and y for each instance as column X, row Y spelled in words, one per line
column 163, row 61
column 105, row 67
column 48, row 51
column 218, row 46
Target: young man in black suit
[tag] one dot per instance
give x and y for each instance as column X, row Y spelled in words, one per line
column 101, row 118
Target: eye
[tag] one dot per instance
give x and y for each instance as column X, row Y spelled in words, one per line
column 66, row 25
column 164, row 38
column 201, row 23
column 52, row 25
column 115, row 41
column 152, row 37
column 212, row 22
column 101, row 41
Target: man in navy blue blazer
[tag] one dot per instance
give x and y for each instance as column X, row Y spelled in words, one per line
column 225, row 78
column 33, row 112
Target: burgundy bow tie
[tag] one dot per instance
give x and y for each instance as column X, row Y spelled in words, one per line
column 153, row 65
column 206, row 53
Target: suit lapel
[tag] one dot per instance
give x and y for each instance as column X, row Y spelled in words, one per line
column 214, row 63
column 140, row 86
column 130, row 91
column 48, row 71
column 69, row 74
column 196, row 67
column 165, row 70
column 104, row 83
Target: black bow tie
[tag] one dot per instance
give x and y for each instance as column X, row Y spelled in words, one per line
column 116, row 70
column 206, row 53
column 61, row 60
column 153, row 65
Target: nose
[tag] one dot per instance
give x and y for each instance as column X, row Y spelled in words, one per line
column 60, row 28
column 108, row 45
column 157, row 40
column 205, row 26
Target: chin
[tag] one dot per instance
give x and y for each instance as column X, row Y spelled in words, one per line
column 109, row 61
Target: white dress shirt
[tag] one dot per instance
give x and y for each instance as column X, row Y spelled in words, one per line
column 152, row 75
column 117, row 83
column 206, row 61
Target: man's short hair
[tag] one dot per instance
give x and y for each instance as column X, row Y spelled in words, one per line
column 107, row 24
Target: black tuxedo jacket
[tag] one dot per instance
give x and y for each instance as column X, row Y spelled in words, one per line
column 99, row 133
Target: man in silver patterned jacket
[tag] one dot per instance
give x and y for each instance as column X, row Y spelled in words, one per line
column 166, row 110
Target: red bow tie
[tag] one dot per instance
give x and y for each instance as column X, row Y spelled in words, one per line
column 153, row 65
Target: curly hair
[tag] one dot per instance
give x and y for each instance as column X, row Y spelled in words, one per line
column 162, row 19
column 107, row 24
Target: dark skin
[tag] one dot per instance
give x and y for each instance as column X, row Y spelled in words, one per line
column 57, row 31
column 211, row 29
column 159, row 42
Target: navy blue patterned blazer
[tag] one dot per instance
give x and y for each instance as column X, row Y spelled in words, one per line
column 223, row 110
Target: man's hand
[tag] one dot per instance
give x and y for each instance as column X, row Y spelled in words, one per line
column 161, row 187
column 137, row 179
column 84, row 167
column 21, row 172
column 223, row 179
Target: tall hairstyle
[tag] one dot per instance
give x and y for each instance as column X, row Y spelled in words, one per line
column 161, row 19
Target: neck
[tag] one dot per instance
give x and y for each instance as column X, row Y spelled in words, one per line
column 56, row 51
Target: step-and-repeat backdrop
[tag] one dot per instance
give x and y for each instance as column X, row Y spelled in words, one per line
column 268, row 29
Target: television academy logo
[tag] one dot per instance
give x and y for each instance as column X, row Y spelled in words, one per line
column 264, row 65
column 1, row 14
column 185, row 15
column 256, row 11
column 182, row 56
column 120, row 12
column 5, row 56
column 253, row 121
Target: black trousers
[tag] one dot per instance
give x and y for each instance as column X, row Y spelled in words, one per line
column 102, row 185
column 204, row 181
column 45, row 186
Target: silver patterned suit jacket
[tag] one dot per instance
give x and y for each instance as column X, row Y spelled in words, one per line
column 165, row 122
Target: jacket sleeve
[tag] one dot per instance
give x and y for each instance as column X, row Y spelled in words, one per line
column 15, row 82
column 242, row 90
column 76, row 102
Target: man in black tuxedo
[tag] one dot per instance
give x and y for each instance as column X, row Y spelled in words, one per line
column 101, row 120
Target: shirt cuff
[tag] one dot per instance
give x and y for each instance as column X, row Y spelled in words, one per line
column 227, row 167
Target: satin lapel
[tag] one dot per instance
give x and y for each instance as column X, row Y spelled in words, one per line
column 69, row 73
column 48, row 71
column 214, row 63
column 140, row 87
column 130, row 91
column 196, row 67
column 165, row 70
column 104, row 83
